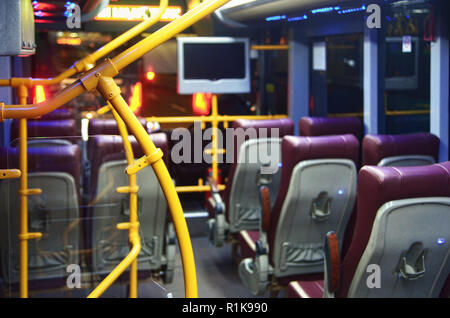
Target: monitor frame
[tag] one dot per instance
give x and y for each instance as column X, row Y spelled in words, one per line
column 221, row 86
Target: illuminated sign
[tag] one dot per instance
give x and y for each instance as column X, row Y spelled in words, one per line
column 39, row 94
column 68, row 41
column 137, row 13
column 135, row 100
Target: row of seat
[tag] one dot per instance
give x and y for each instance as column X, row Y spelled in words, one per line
column 78, row 218
column 280, row 232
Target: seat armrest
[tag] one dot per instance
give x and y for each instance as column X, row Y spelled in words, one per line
column 332, row 264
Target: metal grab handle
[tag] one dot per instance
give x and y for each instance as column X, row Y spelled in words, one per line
column 321, row 207
column 412, row 263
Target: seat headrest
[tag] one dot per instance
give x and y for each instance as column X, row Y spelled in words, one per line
column 47, row 128
column 322, row 126
column 378, row 185
column 103, row 148
column 285, row 125
column 108, row 126
column 59, row 114
column 377, row 147
column 48, row 159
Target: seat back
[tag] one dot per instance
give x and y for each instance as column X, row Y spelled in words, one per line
column 108, row 208
column 403, row 222
column 59, row 129
column 241, row 196
column 55, row 213
column 317, row 194
column 400, row 150
column 244, row 207
column 108, row 126
column 323, row 126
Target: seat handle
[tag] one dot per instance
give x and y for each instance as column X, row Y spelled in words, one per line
column 321, row 207
column 412, row 263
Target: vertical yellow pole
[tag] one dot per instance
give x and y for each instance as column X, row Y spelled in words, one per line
column 133, row 230
column 22, row 93
column 215, row 125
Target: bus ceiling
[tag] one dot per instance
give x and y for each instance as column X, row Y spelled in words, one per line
column 241, row 13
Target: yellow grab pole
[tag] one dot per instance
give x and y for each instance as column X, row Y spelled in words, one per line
column 131, row 33
column 215, row 127
column 23, row 163
column 132, row 189
column 24, row 236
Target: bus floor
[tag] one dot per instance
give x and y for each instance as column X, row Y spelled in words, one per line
column 217, row 273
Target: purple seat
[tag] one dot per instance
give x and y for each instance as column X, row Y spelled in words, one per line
column 322, row 126
column 59, row 114
column 104, row 148
column 376, row 187
column 106, row 208
column 108, row 126
column 297, row 154
column 60, row 129
column 46, row 159
column 378, row 147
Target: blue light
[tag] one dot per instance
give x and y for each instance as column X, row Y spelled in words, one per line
column 276, row 18
column 352, row 10
column 341, row 192
column 440, row 241
column 38, row 14
column 322, row 10
column 300, row 18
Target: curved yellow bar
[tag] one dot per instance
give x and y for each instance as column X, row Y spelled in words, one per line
column 187, row 255
column 123, row 265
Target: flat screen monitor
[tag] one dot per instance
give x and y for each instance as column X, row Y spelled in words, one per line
column 217, row 65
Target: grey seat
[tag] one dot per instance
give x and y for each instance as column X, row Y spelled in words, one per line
column 54, row 213
column 407, row 245
column 316, row 194
column 240, row 207
column 108, row 208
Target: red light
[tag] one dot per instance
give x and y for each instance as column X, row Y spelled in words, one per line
column 39, row 94
column 150, row 76
column 201, row 103
column 136, row 97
